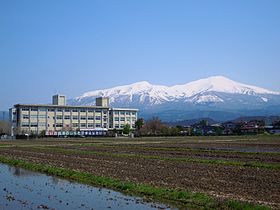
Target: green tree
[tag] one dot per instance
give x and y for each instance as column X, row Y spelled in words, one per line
column 126, row 129
column 42, row 133
column 174, row 131
column 139, row 123
column 218, row 131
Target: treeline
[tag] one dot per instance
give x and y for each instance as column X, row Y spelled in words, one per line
column 155, row 127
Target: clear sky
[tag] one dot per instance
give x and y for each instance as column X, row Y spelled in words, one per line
column 71, row 47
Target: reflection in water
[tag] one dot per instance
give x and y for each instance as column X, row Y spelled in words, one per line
column 23, row 189
column 55, row 180
column 20, row 172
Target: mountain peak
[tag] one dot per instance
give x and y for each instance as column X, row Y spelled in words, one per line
column 200, row 91
column 142, row 83
column 222, row 84
column 216, row 94
column 218, row 78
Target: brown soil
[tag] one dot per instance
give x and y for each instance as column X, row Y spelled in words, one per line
column 242, row 183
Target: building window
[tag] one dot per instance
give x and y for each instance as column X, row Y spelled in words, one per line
column 25, row 116
column 122, row 119
column 25, row 124
column 82, row 110
column 90, row 111
column 67, row 110
column 104, row 119
column 83, row 117
column 42, row 109
column 51, row 110
column 97, row 111
column 105, row 125
column 74, row 110
column 90, row 125
column 90, row 117
column 97, row 118
column 59, row 125
column 116, row 112
column 33, row 125
column 98, row 125
column 75, row 117
column 83, row 125
column 117, row 125
column 127, row 113
column 42, row 116
column 34, row 109
column 117, row 119
column 122, row 113
column 25, row 109
column 67, row 117
column 59, row 117
column 104, row 112
column 75, row 125
column 33, row 116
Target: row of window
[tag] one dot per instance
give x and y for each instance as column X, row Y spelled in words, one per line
column 60, row 125
column 122, row 125
column 25, row 116
column 124, row 113
column 65, row 110
column 66, row 117
column 123, row 118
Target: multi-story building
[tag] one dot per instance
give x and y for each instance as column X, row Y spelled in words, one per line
column 59, row 118
column 122, row 116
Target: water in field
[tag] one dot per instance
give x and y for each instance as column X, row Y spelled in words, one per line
column 251, row 149
column 23, row 189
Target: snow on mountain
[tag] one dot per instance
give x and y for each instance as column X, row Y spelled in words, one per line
column 219, row 84
column 200, row 91
column 216, row 97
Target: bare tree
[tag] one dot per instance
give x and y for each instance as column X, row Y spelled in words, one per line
column 5, row 127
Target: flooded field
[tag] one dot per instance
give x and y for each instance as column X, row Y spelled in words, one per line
column 23, row 189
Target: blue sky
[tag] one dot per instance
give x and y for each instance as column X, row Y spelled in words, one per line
column 71, row 47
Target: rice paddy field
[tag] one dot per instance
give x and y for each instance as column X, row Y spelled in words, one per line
column 226, row 172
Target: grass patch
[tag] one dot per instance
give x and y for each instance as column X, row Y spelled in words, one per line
column 184, row 199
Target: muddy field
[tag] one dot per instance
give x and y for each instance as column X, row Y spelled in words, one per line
column 217, row 166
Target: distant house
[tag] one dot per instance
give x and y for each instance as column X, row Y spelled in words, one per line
column 229, row 128
column 252, row 127
column 207, row 130
column 273, row 129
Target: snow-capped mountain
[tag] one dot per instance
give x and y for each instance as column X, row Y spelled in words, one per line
column 215, row 93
